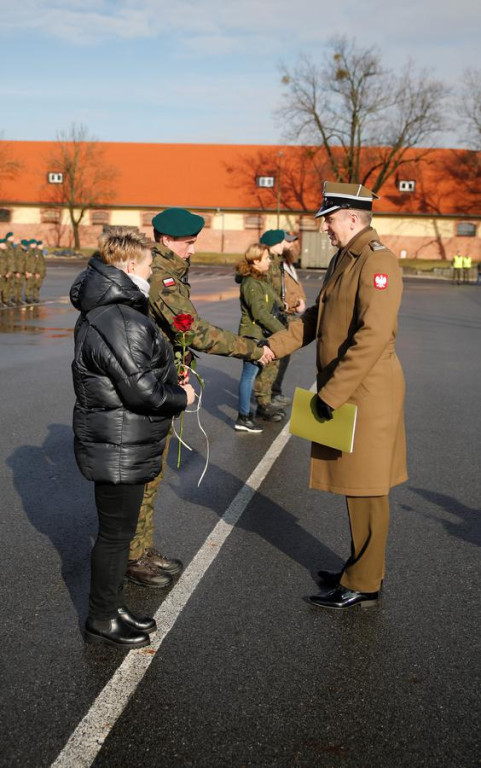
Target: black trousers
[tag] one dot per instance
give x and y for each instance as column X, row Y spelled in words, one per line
column 118, row 510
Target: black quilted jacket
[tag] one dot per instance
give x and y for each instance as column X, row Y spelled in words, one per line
column 124, row 380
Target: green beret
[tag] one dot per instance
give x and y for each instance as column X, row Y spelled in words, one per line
column 2, row 240
column 25, row 242
column 39, row 242
column 177, row 222
column 9, row 234
column 272, row 237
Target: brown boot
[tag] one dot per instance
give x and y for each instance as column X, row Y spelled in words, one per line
column 144, row 573
column 156, row 558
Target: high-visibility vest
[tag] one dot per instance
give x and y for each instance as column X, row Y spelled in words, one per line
column 457, row 261
column 467, row 262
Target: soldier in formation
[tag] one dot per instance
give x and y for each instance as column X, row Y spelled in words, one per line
column 35, row 271
column 175, row 234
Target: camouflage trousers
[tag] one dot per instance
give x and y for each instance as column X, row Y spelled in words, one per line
column 264, row 381
column 4, row 289
column 16, row 284
column 32, row 288
column 144, row 534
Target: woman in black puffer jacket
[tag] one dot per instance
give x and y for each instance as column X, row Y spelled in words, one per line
column 127, row 392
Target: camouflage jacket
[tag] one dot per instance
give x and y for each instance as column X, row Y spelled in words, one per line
column 275, row 273
column 18, row 260
column 170, row 296
column 10, row 251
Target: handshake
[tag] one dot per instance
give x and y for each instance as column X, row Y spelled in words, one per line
column 268, row 355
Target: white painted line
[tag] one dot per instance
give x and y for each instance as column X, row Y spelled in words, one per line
column 86, row 741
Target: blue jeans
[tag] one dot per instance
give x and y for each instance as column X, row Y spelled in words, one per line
column 249, row 373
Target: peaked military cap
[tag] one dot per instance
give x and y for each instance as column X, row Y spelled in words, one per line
column 274, row 236
column 336, row 195
column 178, row 222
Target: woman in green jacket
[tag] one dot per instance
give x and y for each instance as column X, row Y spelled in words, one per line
column 259, row 307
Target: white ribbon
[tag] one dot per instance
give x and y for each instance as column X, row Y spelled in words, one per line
column 195, row 410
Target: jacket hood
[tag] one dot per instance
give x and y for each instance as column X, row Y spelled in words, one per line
column 102, row 284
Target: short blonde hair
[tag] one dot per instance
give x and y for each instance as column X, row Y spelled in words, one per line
column 118, row 245
column 255, row 252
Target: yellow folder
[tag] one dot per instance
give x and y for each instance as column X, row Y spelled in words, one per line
column 337, row 432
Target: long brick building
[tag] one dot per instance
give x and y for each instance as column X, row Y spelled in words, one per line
column 426, row 210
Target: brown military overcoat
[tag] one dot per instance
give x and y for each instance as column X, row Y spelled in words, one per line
column 355, row 323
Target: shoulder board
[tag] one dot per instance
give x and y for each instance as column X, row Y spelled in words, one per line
column 377, row 246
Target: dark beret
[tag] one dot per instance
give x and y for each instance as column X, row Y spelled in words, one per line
column 178, row 222
column 272, row 237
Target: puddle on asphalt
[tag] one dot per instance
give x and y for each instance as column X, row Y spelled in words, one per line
column 35, row 320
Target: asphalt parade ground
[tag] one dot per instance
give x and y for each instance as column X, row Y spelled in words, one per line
column 243, row 672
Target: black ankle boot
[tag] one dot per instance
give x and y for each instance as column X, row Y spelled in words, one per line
column 114, row 632
column 145, row 624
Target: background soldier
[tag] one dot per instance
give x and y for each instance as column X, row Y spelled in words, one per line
column 30, row 266
column 294, row 299
column 175, row 233
column 276, row 240
column 10, row 258
column 39, row 271
column 18, row 271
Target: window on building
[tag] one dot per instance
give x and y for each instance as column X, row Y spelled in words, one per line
column 406, row 186
column 54, row 177
column 99, row 217
column 5, row 214
column 309, row 224
column 254, row 221
column 50, row 216
column 465, row 229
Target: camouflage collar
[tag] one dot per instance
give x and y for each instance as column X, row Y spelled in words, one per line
column 176, row 266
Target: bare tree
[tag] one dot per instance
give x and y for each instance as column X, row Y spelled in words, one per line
column 10, row 167
column 469, row 108
column 364, row 117
column 88, row 181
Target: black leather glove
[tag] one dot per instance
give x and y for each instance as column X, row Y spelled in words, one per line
column 263, row 343
column 324, row 411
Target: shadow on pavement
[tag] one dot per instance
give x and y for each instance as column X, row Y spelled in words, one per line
column 469, row 526
column 57, row 502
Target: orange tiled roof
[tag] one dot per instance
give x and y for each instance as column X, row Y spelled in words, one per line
column 203, row 176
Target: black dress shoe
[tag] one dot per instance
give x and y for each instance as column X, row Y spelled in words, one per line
column 330, row 578
column 114, row 632
column 169, row 564
column 145, row 624
column 341, row 597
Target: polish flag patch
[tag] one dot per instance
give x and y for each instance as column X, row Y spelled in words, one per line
column 380, row 282
column 168, row 282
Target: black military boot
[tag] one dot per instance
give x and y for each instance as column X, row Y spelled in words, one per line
column 144, row 573
column 171, row 565
column 144, row 623
column 269, row 412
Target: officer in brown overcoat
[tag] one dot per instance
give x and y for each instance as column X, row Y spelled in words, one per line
column 355, row 322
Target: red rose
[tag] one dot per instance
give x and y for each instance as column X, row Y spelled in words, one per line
column 183, row 322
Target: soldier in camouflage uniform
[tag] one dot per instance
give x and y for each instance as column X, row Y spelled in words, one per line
column 18, row 271
column 9, row 263
column 39, row 270
column 175, row 233
column 267, row 408
column 3, row 271
column 30, row 264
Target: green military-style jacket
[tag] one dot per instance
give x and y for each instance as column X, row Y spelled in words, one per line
column 18, row 261
column 10, row 259
column 275, row 273
column 40, row 267
column 170, row 296
column 258, row 298
column 30, row 261
column 3, row 262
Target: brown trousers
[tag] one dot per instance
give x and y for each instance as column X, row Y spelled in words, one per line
column 369, row 521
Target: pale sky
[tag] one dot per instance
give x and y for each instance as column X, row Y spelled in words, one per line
column 200, row 71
